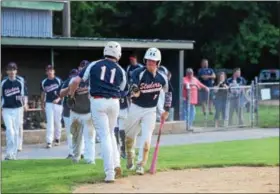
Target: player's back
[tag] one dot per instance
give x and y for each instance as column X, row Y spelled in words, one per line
column 106, row 78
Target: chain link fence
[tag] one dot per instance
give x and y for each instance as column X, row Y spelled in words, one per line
column 231, row 107
column 267, row 104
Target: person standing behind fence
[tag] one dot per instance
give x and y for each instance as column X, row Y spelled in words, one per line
column 206, row 76
column 220, row 98
column 235, row 95
column 194, row 85
column 51, row 103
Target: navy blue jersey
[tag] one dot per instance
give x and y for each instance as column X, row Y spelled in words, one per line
column 12, row 93
column 66, row 109
column 106, row 78
column 131, row 68
column 149, row 86
column 124, row 100
column 206, row 71
column 23, row 80
column 51, row 87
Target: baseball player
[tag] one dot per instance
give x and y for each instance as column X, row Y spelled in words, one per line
column 146, row 84
column 13, row 101
column 20, row 134
column 51, row 103
column 82, row 65
column 66, row 113
column 133, row 65
column 81, row 125
column 106, row 80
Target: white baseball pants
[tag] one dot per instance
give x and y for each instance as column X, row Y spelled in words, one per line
column 144, row 120
column 20, row 134
column 11, row 117
column 83, row 136
column 104, row 114
column 53, row 115
column 68, row 134
column 122, row 117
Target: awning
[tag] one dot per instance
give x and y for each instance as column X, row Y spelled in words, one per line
column 39, row 5
column 97, row 42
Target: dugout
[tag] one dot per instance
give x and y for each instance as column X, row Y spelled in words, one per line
column 33, row 54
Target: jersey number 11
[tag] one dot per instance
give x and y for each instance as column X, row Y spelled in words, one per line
column 103, row 72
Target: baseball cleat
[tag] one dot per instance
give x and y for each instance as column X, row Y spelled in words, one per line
column 130, row 166
column 49, row 145
column 110, row 178
column 140, row 170
column 19, row 150
column 69, row 156
column 8, row 158
column 118, row 172
column 56, row 142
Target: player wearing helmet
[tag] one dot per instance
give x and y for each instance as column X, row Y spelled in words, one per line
column 106, row 81
column 146, row 84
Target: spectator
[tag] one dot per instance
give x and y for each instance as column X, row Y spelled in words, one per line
column 220, row 98
column 194, row 85
column 235, row 95
column 207, row 76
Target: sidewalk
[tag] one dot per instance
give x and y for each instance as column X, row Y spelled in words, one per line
column 40, row 152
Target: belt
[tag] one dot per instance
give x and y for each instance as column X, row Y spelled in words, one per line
column 102, row 97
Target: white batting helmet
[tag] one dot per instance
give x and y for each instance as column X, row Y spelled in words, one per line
column 153, row 54
column 113, row 49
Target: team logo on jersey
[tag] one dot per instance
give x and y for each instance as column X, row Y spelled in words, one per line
column 11, row 91
column 51, row 87
column 149, row 88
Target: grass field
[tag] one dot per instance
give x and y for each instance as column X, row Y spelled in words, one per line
column 60, row 176
column 268, row 117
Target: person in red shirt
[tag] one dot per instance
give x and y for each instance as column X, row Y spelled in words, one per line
column 189, row 81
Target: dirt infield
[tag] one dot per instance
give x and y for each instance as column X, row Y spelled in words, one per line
column 212, row 180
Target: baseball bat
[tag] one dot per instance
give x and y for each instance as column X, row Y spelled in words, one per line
column 155, row 155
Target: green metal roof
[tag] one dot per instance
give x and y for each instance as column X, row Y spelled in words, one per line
column 97, row 42
column 39, row 5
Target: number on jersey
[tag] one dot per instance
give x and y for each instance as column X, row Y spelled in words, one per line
column 103, row 72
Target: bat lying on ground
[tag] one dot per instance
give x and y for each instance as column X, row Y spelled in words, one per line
column 153, row 168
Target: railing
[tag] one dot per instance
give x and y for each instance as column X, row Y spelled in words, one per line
column 231, row 107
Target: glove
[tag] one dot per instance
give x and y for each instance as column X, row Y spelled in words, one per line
column 135, row 91
column 71, row 101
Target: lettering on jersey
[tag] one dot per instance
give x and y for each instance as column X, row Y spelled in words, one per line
column 149, row 88
column 51, row 88
column 12, row 91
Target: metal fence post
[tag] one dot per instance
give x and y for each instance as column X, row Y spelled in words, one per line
column 252, row 104
column 256, row 93
column 188, row 106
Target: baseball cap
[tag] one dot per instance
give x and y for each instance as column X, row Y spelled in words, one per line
column 73, row 72
column 83, row 63
column 133, row 56
column 49, row 67
column 12, row 65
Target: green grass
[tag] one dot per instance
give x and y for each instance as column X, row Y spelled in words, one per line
column 268, row 117
column 60, row 176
